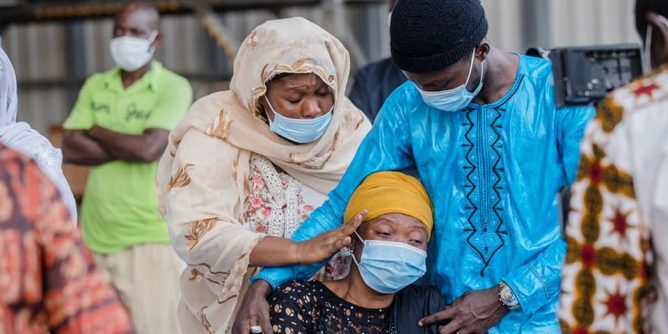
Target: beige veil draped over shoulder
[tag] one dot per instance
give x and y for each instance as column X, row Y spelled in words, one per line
column 202, row 175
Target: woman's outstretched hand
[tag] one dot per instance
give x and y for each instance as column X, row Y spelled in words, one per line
column 326, row 244
column 254, row 309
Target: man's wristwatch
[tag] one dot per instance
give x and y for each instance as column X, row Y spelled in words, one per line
column 507, row 298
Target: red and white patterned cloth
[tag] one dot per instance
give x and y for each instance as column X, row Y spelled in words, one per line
column 618, row 225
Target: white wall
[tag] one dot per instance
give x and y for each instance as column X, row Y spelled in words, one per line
column 570, row 22
column 582, row 22
column 505, row 23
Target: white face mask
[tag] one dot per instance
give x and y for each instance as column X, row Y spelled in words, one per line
column 131, row 53
column 454, row 99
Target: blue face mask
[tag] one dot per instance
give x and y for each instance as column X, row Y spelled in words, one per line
column 389, row 266
column 301, row 131
column 453, row 99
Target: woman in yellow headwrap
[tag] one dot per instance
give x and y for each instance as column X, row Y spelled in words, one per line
column 389, row 252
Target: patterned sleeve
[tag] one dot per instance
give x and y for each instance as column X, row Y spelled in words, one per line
column 604, row 279
column 58, row 282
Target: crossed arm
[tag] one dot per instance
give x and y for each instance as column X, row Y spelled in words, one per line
column 100, row 145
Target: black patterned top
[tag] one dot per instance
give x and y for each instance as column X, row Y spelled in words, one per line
column 300, row 307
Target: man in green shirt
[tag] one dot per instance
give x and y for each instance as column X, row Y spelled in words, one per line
column 120, row 126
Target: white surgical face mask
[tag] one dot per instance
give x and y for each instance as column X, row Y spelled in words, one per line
column 454, row 99
column 131, row 53
column 301, row 131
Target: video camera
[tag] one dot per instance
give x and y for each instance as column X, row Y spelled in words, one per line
column 585, row 75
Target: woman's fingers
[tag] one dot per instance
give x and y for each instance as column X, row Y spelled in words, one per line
column 450, row 328
column 342, row 235
column 439, row 317
column 254, row 310
column 340, row 243
column 259, row 319
column 351, row 226
column 330, row 242
column 241, row 328
column 266, row 324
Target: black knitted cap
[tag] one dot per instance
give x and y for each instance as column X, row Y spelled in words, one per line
column 430, row 35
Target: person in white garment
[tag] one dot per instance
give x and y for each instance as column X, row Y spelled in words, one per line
column 23, row 138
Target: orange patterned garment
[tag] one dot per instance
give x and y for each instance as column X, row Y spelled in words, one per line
column 48, row 282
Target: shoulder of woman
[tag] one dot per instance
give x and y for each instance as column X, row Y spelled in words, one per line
column 429, row 296
column 218, row 114
column 354, row 119
column 294, row 285
column 212, row 103
column 414, row 303
column 290, row 289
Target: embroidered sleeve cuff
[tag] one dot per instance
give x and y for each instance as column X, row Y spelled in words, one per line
column 528, row 288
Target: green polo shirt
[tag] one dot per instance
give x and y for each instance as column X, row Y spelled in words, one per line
column 120, row 206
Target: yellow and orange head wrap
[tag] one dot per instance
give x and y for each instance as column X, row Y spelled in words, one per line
column 392, row 192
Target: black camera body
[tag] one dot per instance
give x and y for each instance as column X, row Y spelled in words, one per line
column 585, row 75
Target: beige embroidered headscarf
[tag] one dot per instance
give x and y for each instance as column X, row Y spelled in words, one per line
column 202, row 175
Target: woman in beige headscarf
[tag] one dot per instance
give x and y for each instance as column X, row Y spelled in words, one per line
column 248, row 165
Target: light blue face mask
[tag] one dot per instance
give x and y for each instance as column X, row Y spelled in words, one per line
column 454, row 99
column 301, row 131
column 389, row 266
